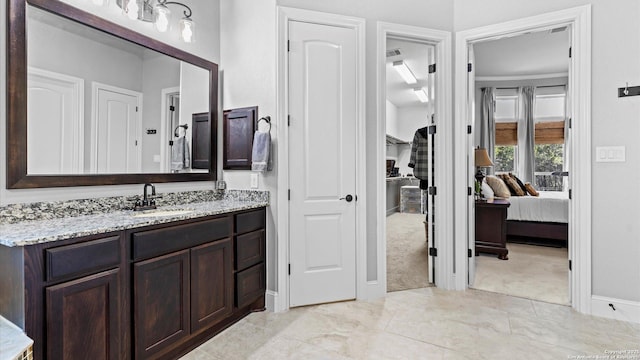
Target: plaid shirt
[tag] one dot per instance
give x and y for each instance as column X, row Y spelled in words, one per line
column 420, row 154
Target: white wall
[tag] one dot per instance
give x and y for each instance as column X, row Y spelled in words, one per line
column 158, row 73
column 248, row 78
column 410, row 119
column 615, row 121
column 392, row 119
column 205, row 14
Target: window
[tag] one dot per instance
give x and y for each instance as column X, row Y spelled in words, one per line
column 549, row 113
column 504, row 158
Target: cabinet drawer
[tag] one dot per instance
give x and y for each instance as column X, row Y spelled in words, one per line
column 249, row 249
column 250, row 221
column 146, row 244
column 250, row 285
column 80, row 259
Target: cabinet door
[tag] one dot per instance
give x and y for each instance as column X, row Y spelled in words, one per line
column 239, row 126
column 161, row 302
column 211, row 283
column 83, row 318
column 201, row 144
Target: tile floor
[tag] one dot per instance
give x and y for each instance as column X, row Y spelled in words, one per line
column 424, row 323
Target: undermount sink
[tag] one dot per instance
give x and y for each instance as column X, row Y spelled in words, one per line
column 159, row 213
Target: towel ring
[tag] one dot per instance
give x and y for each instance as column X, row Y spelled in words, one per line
column 267, row 119
column 175, row 131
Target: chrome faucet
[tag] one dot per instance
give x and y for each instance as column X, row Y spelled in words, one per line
column 148, row 202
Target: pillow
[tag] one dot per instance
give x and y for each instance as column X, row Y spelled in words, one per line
column 487, row 192
column 513, row 186
column 524, row 189
column 531, row 190
column 498, row 186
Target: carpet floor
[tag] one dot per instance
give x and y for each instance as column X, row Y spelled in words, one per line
column 407, row 252
column 532, row 272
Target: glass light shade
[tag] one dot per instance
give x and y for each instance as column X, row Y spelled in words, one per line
column 131, row 9
column 187, row 30
column 161, row 18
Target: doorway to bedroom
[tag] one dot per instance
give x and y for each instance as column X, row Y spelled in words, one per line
column 521, row 99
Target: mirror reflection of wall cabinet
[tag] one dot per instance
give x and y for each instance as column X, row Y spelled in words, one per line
column 239, row 126
column 91, row 102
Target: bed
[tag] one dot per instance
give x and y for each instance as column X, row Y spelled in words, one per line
column 543, row 218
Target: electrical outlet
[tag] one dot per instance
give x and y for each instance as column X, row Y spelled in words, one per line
column 254, row 181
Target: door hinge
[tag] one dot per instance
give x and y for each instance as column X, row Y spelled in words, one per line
column 289, row 269
column 289, row 194
column 288, row 45
column 469, row 191
column 432, row 68
column 570, row 193
column 136, row 143
column 432, row 129
column 433, row 252
column 469, row 129
column 569, row 265
column 136, row 109
column 570, row 52
column 288, row 120
column 172, row 108
column 469, row 67
column 433, row 118
column 469, row 253
column 433, row 190
column 570, row 123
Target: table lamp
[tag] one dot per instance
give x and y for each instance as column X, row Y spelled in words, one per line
column 481, row 161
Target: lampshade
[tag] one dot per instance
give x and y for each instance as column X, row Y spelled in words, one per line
column 187, row 30
column 482, row 158
column 162, row 16
column 405, row 72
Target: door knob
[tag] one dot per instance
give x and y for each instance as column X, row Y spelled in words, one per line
column 349, row 198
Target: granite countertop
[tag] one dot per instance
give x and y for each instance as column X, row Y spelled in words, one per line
column 42, row 231
column 13, row 341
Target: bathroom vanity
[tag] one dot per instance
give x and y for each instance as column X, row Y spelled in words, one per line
column 149, row 287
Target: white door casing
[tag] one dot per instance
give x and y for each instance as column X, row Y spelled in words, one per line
column 322, row 105
column 166, row 130
column 116, row 130
column 55, row 130
column 280, row 297
column 579, row 19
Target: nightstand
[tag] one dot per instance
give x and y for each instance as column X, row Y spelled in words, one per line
column 491, row 227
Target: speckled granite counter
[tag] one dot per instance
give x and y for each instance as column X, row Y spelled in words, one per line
column 13, row 341
column 59, row 228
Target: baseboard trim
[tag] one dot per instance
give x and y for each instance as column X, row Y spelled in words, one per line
column 625, row 310
column 271, row 301
column 373, row 290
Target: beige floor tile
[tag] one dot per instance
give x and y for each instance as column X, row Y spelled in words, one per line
column 284, row 348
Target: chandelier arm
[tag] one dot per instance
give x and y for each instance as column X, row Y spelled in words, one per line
column 187, row 12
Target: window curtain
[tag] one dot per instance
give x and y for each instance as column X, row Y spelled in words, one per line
column 526, row 134
column 488, row 124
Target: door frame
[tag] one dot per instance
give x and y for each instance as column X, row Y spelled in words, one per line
column 442, row 41
column 580, row 168
column 95, row 89
column 279, row 301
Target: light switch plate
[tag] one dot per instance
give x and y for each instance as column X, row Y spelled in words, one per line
column 611, row 154
column 254, row 181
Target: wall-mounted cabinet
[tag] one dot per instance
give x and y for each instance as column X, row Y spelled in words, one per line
column 239, row 126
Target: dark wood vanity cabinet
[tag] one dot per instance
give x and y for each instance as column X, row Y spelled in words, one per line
column 150, row 293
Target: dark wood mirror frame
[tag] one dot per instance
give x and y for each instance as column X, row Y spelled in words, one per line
column 16, row 137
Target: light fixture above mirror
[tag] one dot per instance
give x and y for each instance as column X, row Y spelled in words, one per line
column 157, row 12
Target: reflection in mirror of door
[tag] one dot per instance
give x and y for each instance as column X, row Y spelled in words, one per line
column 91, row 96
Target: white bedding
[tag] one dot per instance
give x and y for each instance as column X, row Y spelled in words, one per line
column 550, row 206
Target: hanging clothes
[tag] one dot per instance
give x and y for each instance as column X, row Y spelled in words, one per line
column 419, row 160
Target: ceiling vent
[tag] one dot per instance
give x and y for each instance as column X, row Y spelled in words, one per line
column 393, row 52
column 557, row 30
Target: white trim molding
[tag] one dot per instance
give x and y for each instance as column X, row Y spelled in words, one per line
column 617, row 309
column 579, row 19
column 442, row 41
column 284, row 16
column 522, row 77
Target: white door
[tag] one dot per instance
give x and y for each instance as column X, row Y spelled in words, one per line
column 322, row 160
column 116, row 140
column 55, row 127
column 471, row 106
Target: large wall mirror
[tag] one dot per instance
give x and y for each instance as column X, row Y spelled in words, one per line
column 93, row 103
